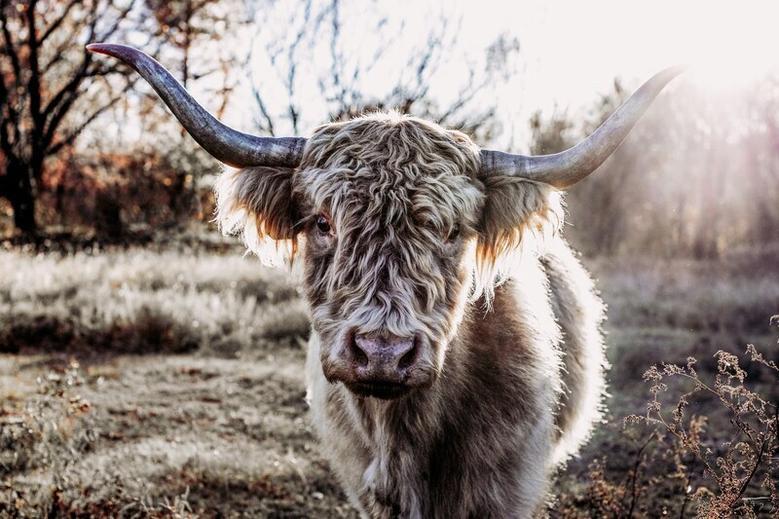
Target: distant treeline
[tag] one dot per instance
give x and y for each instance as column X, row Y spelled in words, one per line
column 699, row 174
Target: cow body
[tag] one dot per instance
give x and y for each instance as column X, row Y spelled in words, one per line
column 455, row 356
column 519, row 392
column 406, row 252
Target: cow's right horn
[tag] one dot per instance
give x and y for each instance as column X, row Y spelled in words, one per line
column 227, row 145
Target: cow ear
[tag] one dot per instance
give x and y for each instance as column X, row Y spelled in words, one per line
column 515, row 210
column 256, row 203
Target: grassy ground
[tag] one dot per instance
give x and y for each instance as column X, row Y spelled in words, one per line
column 169, row 382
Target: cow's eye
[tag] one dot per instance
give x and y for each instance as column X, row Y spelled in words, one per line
column 454, row 233
column 323, row 225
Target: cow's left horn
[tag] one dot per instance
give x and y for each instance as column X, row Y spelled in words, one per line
column 568, row 167
column 224, row 143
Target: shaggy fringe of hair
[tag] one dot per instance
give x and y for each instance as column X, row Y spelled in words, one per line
column 388, row 180
column 424, row 143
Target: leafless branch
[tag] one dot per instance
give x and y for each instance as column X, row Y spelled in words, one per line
column 71, row 136
column 57, row 22
column 8, row 41
column 120, row 17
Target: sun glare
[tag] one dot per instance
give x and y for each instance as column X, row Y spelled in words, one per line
column 721, row 77
column 734, row 47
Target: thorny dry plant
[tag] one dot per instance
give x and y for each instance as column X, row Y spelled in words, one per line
column 725, row 472
column 53, row 431
column 745, row 462
column 49, row 432
column 712, row 452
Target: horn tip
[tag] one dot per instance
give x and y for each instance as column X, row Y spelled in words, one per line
column 98, row 48
column 109, row 49
column 675, row 70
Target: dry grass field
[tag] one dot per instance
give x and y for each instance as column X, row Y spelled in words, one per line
column 168, row 381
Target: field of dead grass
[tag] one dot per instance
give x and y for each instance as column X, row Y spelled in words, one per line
column 169, row 382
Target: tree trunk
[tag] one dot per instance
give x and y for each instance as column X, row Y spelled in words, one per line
column 19, row 190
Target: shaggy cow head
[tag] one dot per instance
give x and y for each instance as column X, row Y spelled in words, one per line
column 397, row 220
column 384, row 211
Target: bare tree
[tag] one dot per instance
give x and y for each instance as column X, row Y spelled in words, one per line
column 339, row 81
column 200, row 35
column 48, row 94
column 190, row 27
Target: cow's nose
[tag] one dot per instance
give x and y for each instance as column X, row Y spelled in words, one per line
column 385, row 358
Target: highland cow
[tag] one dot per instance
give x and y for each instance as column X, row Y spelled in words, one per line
column 456, row 356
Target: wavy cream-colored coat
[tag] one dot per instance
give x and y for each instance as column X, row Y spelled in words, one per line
column 515, row 398
column 422, row 244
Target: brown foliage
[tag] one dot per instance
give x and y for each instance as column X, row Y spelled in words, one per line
column 107, row 193
column 45, row 94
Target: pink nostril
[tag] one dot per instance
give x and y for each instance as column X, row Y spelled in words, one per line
column 407, row 360
column 358, row 354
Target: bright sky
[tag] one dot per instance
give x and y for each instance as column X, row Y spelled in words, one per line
column 570, row 51
column 573, row 49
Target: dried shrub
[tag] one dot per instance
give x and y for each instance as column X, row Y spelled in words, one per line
column 52, row 431
column 706, row 447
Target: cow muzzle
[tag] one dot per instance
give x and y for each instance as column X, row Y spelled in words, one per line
column 386, row 366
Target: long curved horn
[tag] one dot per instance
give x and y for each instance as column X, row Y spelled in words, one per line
column 227, row 145
column 568, row 167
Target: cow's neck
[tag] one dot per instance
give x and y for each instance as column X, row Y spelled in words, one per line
column 399, row 435
column 395, row 432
